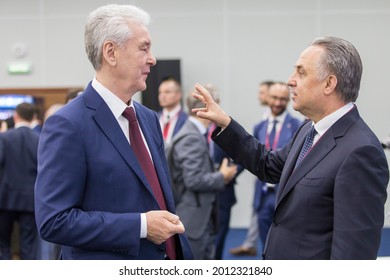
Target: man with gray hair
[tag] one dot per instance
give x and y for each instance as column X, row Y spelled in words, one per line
column 332, row 175
column 103, row 189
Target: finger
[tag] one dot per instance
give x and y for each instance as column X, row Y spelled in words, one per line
column 179, row 228
column 225, row 162
column 174, row 219
column 204, row 92
column 195, row 110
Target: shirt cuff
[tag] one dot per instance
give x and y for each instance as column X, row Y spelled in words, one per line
column 144, row 227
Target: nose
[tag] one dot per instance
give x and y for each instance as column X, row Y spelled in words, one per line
column 151, row 59
column 291, row 81
column 278, row 102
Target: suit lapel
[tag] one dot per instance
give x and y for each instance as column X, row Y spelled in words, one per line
column 291, row 159
column 152, row 142
column 324, row 145
column 110, row 127
column 263, row 132
column 285, row 134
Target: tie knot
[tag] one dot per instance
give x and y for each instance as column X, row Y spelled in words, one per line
column 129, row 114
column 312, row 132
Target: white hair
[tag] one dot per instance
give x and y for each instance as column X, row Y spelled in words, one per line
column 110, row 22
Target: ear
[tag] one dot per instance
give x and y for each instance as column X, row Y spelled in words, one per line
column 16, row 117
column 331, row 83
column 109, row 54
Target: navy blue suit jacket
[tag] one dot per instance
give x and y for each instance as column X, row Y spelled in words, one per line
column 18, row 169
column 181, row 119
column 90, row 189
column 226, row 197
column 332, row 205
column 290, row 126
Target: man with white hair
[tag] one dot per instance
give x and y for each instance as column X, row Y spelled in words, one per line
column 103, row 189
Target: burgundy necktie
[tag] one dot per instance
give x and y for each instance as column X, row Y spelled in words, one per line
column 147, row 167
column 166, row 128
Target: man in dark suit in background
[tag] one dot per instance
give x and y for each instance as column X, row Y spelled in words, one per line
column 250, row 244
column 103, row 188
column 274, row 132
column 172, row 117
column 226, row 198
column 332, row 175
column 18, row 171
column 196, row 182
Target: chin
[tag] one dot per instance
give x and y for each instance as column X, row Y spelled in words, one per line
column 296, row 107
column 142, row 87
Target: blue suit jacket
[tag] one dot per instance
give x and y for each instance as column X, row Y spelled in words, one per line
column 18, row 169
column 90, row 190
column 181, row 119
column 290, row 126
column 227, row 197
column 332, row 205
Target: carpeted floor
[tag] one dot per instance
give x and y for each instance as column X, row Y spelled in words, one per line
column 237, row 236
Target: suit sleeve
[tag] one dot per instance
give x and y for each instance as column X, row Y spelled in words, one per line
column 193, row 159
column 60, row 188
column 1, row 151
column 359, row 197
column 247, row 151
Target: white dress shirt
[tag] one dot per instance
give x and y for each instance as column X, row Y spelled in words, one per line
column 117, row 107
column 323, row 125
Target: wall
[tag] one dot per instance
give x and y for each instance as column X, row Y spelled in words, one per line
column 233, row 44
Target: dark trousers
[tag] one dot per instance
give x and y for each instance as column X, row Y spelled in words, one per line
column 223, row 229
column 27, row 234
column 265, row 213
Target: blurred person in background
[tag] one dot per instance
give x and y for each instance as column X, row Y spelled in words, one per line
column 172, row 116
column 251, row 242
column 196, row 182
column 18, row 171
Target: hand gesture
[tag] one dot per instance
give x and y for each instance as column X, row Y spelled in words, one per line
column 228, row 170
column 162, row 225
column 211, row 111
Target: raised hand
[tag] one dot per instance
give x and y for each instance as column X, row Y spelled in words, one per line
column 211, row 111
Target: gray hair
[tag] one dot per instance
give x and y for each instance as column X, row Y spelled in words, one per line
column 193, row 103
column 110, row 22
column 342, row 60
column 213, row 90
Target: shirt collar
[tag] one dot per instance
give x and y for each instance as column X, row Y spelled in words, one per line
column 198, row 125
column 324, row 124
column 172, row 113
column 116, row 105
column 22, row 124
column 280, row 118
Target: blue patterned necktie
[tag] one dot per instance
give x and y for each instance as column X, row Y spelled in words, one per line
column 306, row 145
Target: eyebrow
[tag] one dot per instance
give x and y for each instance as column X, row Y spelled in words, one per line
column 146, row 43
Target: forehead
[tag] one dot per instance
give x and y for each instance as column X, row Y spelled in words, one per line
column 168, row 85
column 263, row 87
column 140, row 34
column 279, row 90
column 309, row 57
